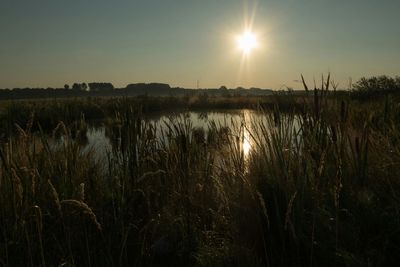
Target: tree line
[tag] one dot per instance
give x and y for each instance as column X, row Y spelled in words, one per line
column 363, row 88
column 134, row 89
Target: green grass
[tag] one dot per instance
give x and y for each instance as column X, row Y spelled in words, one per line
column 320, row 186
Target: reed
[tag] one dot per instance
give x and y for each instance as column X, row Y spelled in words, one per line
column 319, row 185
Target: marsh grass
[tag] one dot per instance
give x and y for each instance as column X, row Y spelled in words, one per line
column 319, row 186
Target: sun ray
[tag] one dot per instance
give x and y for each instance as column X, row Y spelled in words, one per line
column 247, row 41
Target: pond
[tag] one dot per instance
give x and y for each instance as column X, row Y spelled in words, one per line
column 99, row 141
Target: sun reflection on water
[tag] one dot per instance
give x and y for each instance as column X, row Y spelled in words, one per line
column 246, row 143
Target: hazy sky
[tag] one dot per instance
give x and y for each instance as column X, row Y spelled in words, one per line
column 53, row 42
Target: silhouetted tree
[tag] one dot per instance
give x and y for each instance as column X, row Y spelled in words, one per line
column 101, row 87
column 79, row 87
column 376, row 86
column 66, row 86
column 84, row 87
column 149, row 88
column 76, row 86
column 380, row 83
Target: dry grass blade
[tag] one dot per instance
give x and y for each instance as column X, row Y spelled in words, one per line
column 54, row 197
column 18, row 188
column 83, row 208
column 81, row 192
column 21, row 131
column 263, row 207
column 150, row 174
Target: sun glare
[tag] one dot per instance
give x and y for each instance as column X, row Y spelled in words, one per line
column 247, row 42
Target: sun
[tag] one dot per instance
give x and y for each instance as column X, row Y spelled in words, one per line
column 247, row 42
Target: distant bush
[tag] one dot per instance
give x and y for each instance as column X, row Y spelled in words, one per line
column 101, row 87
column 375, row 86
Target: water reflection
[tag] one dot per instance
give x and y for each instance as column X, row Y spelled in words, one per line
column 246, row 145
column 251, row 120
column 246, row 134
column 237, row 123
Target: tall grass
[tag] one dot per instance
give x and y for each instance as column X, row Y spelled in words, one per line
column 319, row 187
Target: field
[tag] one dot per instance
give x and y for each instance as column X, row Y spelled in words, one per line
column 319, row 187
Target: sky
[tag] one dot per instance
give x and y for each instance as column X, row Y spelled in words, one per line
column 49, row 43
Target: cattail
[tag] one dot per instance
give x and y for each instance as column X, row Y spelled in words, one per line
column 328, row 83
column 338, row 185
column 304, row 83
column 316, row 103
